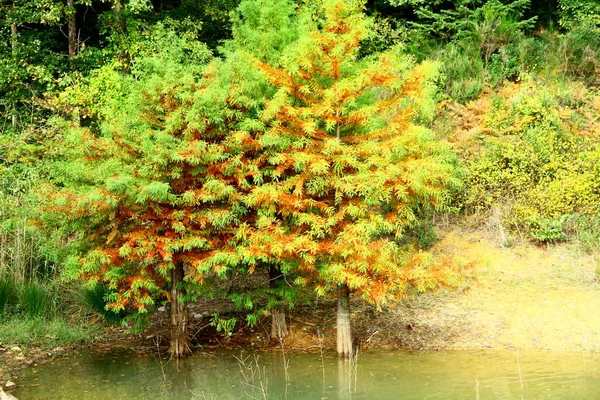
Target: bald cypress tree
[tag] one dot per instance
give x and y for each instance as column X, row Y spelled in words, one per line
column 349, row 170
column 262, row 31
column 156, row 195
column 307, row 158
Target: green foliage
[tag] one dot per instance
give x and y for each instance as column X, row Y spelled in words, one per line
column 170, row 42
column 385, row 33
column 538, row 159
column 532, row 54
column 573, row 55
column 95, row 298
column 283, row 294
column 47, row 333
column 424, row 234
column 575, row 13
column 159, row 157
column 33, row 300
column 479, row 43
column 135, row 322
column 8, row 294
column 162, row 155
column 27, row 254
column 349, row 167
column 463, row 71
column 414, row 2
column 27, row 62
column 222, row 325
column 546, row 230
column 265, row 29
column 496, row 24
column 505, row 65
column 242, row 301
column 213, row 16
column 490, row 24
column 579, row 51
column 252, row 319
column 586, row 230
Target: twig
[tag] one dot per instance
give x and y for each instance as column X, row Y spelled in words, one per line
column 161, row 363
column 322, row 362
column 254, row 373
column 519, row 367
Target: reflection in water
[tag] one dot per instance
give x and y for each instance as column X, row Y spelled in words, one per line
column 347, row 377
column 374, row 375
column 344, row 386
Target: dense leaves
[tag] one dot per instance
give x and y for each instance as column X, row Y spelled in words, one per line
column 349, row 171
column 299, row 140
column 539, row 161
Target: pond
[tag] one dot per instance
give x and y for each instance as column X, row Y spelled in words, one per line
column 265, row 375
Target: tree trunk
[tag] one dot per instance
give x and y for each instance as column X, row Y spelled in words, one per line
column 180, row 341
column 13, row 44
column 278, row 323
column 72, row 27
column 344, row 331
column 117, row 9
column 13, row 38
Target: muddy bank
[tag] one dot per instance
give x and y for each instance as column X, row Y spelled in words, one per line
column 14, row 358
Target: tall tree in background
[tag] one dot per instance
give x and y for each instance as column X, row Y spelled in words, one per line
column 26, row 62
column 579, row 12
column 348, row 170
column 71, row 15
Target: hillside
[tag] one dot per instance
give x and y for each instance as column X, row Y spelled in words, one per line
column 524, row 297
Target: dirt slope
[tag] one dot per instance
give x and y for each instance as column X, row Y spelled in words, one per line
column 524, row 297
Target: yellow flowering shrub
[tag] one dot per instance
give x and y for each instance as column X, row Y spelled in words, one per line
column 533, row 149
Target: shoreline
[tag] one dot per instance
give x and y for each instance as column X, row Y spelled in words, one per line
column 524, row 298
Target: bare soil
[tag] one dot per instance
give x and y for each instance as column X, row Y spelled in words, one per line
column 524, row 297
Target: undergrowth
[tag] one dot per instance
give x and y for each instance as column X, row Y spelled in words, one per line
column 95, row 299
column 50, row 313
column 47, row 333
column 531, row 150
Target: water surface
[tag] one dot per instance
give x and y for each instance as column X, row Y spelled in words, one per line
column 262, row 375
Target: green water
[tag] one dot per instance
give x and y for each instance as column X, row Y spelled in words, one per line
column 376, row 375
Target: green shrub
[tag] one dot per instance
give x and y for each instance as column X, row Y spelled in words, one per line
column 95, row 299
column 462, row 69
column 537, row 158
column 586, row 229
column 532, row 54
column 425, row 234
column 421, row 236
column 546, row 230
column 580, row 53
column 574, row 13
column 386, row 33
column 33, row 299
column 8, row 291
column 47, row 333
column 504, row 65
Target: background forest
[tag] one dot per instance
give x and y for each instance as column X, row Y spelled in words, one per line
column 498, row 105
